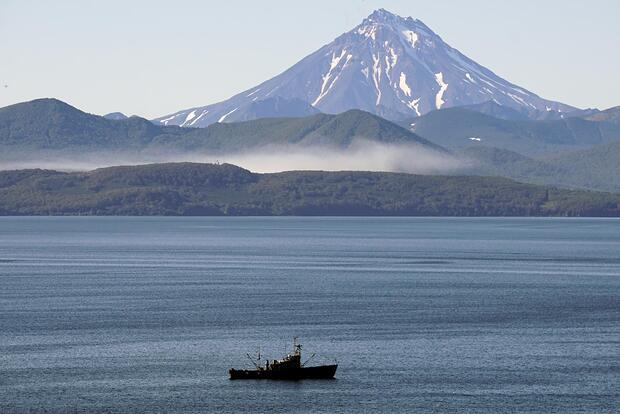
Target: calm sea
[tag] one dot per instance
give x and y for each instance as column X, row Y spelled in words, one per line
column 146, row 315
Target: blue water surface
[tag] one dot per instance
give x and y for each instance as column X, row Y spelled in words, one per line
column 145, row 315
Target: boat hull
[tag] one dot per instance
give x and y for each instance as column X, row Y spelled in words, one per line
column 320, row 372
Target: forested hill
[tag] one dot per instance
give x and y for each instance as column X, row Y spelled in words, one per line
column 29, row 128
column 207, row 189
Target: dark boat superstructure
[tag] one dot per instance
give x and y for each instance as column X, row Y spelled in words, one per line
column 287, row 368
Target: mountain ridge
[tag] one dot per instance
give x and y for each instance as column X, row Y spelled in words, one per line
column 595, row 168
column 116, row 116
column 462, row 127
column 50, row 124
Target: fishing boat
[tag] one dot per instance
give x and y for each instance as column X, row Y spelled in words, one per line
column 288, row 368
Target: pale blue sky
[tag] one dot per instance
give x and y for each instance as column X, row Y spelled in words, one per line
column 155, row 57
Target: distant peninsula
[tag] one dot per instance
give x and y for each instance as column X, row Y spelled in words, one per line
column 189, row 189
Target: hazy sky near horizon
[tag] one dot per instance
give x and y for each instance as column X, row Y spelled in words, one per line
column 151, row 58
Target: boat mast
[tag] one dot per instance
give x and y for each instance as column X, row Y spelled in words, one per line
column 296, row 347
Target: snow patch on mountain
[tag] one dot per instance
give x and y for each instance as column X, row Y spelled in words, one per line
column 328, row 76
column 376, row 76
column 403, row 84
column 443, row 87
column 189, row 117
column 411, row 37
column 369, row 31
column 226, row 115
column 415, row 105
column 203, row 113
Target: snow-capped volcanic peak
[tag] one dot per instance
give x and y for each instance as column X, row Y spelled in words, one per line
column 388, row 65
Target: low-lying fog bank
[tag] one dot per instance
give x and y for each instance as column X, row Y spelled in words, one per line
column 360, row 156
